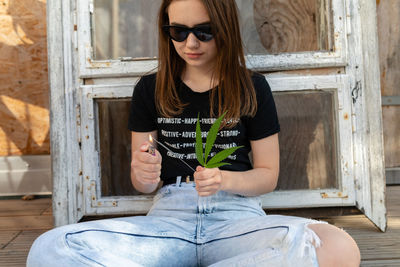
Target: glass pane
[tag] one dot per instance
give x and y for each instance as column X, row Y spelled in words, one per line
column 307, row 140
column 115, row 147
column 127, row 28
column 271, row 26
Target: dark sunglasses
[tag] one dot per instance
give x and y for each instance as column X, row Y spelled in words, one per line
column 180, row 33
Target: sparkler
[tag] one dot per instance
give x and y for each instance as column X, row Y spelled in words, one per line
column 151, row 146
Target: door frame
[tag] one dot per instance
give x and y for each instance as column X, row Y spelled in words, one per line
column 358, row 39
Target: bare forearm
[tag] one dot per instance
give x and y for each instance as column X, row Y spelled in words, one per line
column 254, row 182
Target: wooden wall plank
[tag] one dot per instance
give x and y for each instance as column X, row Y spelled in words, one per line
column 391, row 134
column 389, row 43
column 389, row 54
column 393, row 201
column 24, row 104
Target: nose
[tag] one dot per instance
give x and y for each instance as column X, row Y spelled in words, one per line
column 192, row 41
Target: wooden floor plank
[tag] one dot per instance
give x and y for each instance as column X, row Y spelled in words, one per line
column 23, row 224
column 24, row 240
column 26, row 222
column 48, row 211
column 381, row 263
column 13, row 258
column 375, row 246
column 6, row 237
column 17, row 207
column 16, row 252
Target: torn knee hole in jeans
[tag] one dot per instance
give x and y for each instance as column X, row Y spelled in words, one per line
column 310, row 240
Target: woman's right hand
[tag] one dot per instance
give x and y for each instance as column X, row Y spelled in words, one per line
column 145, row 169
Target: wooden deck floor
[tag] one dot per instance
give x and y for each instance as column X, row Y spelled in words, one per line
column 22, row 221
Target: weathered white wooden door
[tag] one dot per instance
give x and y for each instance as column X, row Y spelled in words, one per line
column 319, row 56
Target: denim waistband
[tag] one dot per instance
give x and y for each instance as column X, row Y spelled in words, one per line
column 184, row 180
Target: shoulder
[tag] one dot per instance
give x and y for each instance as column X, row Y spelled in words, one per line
column 256, row 76
column 146, row 84
column 261, row 85
column 148, row 80
column 259, row 80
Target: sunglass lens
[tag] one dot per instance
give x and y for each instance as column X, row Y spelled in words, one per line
column 204, row 34
column 179, row 34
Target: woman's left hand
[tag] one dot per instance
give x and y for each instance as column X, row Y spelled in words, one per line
column 208, row 181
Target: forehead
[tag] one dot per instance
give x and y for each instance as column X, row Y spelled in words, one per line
column 187, row 12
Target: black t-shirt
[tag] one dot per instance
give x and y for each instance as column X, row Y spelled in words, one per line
column 178, row 133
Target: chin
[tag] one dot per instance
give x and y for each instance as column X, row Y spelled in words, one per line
column 195, row 63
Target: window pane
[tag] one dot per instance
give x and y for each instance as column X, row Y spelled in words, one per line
column 307, row 140
column 127, row 28
column 307, row 143
column 115, row 148
column 277, row 26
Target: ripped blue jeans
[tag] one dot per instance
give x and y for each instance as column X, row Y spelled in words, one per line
column 183, row 229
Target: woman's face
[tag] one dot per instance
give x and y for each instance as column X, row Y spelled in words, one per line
column 195, row 53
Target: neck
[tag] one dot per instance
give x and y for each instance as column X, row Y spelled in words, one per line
column 199, row 79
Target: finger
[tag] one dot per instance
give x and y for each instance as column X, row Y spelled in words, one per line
column 199, row 168
column 140, row 163
column 151, row 168
column 203, row 174
column 207, row 174
column 148, row 177
column 150, row 181
column 149, row 159
column 204, row 182
column 144, row 147
column 207, row 188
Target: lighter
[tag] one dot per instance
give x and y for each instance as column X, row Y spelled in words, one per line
column 151, row 150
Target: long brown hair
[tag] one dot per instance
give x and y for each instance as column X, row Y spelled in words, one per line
column 233, row 79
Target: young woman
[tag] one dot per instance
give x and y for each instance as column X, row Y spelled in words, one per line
column 200, row 216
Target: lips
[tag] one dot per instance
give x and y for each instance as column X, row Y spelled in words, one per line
column 193, row 55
